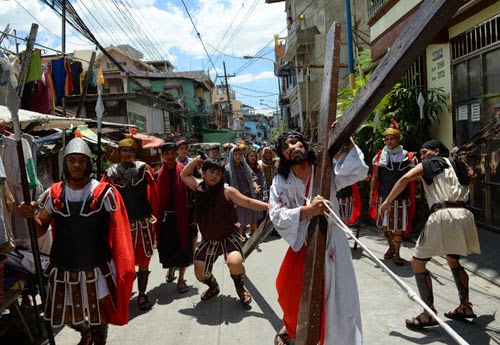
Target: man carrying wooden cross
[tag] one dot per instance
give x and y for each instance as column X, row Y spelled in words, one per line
column 291, row 208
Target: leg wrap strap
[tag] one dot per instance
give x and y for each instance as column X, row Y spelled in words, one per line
column 462, row 282
column 142, row 280
column 99, row 334
column 424, row 284
column 210, row 282
column 239, row 280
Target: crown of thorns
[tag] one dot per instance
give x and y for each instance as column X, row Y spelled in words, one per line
column 280, row 141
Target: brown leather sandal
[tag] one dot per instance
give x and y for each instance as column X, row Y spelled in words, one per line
column 143, row 302
column 398, row 261
column 461, row 313
column 210, row 292
column 389, row 253
column 182, row 286
column 244, row 295
column 418, row 323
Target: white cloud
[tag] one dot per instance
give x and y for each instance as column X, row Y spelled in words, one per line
column 249, row 78
column 236, row 27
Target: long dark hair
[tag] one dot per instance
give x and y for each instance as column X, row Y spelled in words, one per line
column 285, row 165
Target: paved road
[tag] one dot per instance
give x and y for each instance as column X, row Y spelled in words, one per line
column 183, row 319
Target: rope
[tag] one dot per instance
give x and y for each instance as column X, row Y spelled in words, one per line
column 410, row 293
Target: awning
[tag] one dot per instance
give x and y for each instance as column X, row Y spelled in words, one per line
column 37, row 121
column 91, row 137
column 87, row 135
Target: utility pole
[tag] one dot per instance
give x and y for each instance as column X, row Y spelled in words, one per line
column 17, row 44
column 63, row 32
column 227, row 93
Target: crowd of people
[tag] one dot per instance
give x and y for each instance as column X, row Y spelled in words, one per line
column 195, row 209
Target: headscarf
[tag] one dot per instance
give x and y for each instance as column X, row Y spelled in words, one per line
column 264, row 150
column 437, row 145
column 256, row 168
column 285, row 166
column 233, row 181
column 437, row 164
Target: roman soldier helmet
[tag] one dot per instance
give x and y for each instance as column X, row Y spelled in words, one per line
column 127, row 142
column 393, row 129
column 78, row 145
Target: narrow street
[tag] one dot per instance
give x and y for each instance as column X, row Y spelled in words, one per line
column 184, row 319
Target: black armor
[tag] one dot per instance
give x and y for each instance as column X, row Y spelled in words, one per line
column 388, row 176
column 80, row 231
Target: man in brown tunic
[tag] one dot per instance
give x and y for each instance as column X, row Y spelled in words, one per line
column 216, row 217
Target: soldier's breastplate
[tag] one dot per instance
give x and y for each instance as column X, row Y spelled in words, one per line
column 81, row 236
column 388, row 177
column 344, row 192
column 136, row 200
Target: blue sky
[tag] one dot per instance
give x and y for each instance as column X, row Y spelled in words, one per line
column 229, row 29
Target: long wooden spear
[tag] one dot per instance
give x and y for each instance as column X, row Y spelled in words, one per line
column 13, row 101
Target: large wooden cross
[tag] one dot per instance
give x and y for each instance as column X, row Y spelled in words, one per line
column 431, row 17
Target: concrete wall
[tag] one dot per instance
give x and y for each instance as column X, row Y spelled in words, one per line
column 439, row 75
column 396, row 12
column 147, row 119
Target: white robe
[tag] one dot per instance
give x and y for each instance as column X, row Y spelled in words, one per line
column 343, row 316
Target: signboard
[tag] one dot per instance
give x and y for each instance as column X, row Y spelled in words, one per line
column 463, row 113
column 139, row 121
column 475, row 110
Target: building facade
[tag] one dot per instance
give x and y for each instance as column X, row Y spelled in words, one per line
column 463, row 60
column 301, row 54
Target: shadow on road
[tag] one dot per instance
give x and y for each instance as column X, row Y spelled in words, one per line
column 475, row 332
column 163, row 294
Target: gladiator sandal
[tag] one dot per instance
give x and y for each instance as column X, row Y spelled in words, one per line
column 239, row 284
column 84, row 330
column 464, row 310
column 390, row 240
column 142, row 298
column 99, row 334
column 424, row 284
column 213, row 288
column 397, row 246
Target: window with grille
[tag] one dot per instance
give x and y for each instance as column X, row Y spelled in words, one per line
column 482, row 36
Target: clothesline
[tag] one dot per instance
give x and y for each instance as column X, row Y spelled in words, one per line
column 41, row 46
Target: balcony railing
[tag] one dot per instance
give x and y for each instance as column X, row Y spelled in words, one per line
column 374, row 6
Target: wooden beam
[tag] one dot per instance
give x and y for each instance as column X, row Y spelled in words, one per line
column 432, row 16
column 26, row 60
column 86, row 83
column 311, row 301
column 261, row 233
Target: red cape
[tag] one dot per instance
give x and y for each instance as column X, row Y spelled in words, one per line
column 180, row 196
column 356, row 204
column 120, row 242
column 411, row 195
column 152, row 190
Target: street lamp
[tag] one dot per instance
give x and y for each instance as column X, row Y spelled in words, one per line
column 275, row 65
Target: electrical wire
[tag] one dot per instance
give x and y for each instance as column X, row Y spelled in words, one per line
column 46, row 28
column 199, row 36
